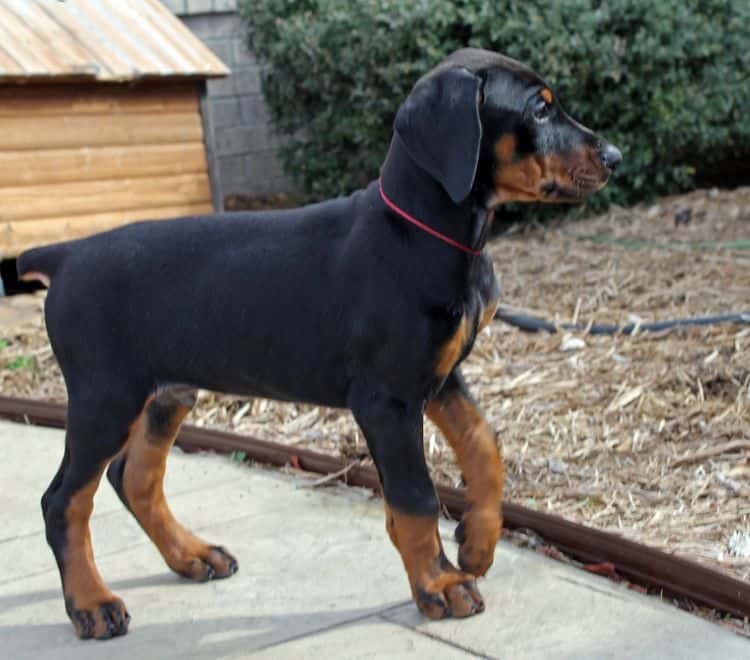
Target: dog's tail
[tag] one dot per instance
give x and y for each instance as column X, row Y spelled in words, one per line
column 40, row 264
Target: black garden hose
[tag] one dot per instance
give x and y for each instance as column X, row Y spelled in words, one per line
column 535, row 324
column 638, row 244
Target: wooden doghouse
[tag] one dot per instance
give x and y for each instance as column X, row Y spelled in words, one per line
column 100, row 121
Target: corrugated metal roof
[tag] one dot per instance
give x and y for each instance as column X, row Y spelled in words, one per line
column 106, row 40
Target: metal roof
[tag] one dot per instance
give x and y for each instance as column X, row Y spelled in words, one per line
column 102, row 40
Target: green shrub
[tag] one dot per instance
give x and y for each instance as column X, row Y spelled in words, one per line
column 665, row 80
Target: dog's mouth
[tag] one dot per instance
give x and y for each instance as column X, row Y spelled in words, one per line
column 554, row 178
column 573, row 176
column 574, row 188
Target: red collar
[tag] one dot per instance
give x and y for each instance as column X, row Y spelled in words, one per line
column 421, row 225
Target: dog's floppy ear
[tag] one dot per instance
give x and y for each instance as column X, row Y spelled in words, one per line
column 440, row 127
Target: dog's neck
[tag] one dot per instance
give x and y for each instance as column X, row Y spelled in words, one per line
column 415, row 192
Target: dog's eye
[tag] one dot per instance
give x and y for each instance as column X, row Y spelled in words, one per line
column 542, row 110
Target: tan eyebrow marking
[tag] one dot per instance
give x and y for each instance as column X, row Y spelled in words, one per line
column 547, row 94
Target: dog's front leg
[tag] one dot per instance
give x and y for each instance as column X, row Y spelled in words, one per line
column 479, row 457
column 393, row 429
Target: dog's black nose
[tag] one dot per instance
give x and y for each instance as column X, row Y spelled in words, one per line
column 610, row 155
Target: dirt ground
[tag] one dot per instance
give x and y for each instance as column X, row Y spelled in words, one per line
column 646, row 436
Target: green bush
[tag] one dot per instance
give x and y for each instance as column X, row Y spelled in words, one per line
column 665, row 80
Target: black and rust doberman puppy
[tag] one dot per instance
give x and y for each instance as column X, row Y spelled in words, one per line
column 368, row 302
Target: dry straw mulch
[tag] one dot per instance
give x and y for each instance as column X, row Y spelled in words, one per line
column 645, row 436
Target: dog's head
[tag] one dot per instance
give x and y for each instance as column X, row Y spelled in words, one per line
column 481, row 120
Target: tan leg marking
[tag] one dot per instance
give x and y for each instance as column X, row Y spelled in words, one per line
column 87, row 599
column 143, row 485
column 439, row 589
column 481, row 463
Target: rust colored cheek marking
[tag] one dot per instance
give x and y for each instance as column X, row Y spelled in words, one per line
column 546, row 94
column 518, row 181
column 515, row 180
column 481, row 463
column 451, row 350
column 82, row 584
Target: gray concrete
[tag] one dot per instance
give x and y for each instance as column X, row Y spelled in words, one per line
column 241, row 143
column 318, row 579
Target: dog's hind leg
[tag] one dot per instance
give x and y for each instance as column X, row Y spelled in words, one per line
column 96, row 430
column 137, row 475
column 480, row 459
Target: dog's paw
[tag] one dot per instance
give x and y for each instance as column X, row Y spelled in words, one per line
column 213, row 564
column 476, row 550
column 101, row 621
column 459, row 598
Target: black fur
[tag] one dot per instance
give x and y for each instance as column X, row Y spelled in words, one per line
column 340, row 303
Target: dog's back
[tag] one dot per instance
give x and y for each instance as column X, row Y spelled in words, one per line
column 214, row 295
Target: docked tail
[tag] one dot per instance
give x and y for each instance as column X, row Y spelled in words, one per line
column 40, row 264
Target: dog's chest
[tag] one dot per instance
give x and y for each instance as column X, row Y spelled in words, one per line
column 471, row 315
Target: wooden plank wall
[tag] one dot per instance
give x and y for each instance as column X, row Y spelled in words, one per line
column 77, row 159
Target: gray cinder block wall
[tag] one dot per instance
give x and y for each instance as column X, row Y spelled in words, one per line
column 241, row 143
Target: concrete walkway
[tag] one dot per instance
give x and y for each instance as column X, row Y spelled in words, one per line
column 318, row 579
